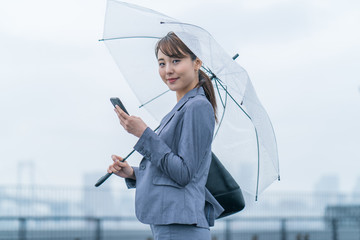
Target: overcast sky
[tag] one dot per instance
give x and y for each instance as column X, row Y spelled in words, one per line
column 56, row 79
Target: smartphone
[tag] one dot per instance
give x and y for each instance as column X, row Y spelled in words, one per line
column 116, row 101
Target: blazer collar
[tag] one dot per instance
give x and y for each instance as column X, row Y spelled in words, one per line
column 190, row 94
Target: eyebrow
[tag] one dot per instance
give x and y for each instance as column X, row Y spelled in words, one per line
column 161, row 59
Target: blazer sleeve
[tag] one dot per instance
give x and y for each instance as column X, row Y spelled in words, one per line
column 194, row 141
column 131, row 183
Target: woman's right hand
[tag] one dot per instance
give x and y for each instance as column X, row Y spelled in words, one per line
column 121, row 169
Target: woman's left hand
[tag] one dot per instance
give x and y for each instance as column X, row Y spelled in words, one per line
column 131, row 124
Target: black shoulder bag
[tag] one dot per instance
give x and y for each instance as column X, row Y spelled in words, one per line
column 224, row 188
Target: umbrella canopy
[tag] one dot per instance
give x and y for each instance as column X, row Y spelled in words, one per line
column 244, row 139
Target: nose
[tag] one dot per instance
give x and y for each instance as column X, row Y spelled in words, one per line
column 169, row 69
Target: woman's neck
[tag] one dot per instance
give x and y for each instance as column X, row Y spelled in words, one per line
column 181, row 93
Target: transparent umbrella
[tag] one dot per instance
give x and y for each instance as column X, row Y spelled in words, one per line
column 244, row 139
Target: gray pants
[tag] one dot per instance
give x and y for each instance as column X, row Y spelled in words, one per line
column 179, row 232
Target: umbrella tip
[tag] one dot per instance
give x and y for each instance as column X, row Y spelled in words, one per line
column 235, row 57
column 278, row 177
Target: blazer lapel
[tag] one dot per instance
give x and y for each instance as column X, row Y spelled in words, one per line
column 165, row 123
column 178, row 106
column 169, row 116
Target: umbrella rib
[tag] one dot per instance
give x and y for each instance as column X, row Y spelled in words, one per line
column 257, row 140
column 224, row 106
column 217, row 88
column 188, row 24
column 217, row 80
column 258, row 150
column 131, row 37
column 206, row 70
column 210, row 73
column 239, row 105
column 153, row 98
column 222, row 102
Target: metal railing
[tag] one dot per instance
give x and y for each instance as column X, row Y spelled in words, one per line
column 244, row 228
column 48, row 212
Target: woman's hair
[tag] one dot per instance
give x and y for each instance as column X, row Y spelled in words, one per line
column 172, row 46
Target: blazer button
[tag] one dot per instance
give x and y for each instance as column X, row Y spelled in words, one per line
column 142, row 166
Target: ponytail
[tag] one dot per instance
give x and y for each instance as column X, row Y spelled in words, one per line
column 205, row 82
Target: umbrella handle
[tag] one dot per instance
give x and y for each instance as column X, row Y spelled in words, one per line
column 106, row 176
column 102, row 179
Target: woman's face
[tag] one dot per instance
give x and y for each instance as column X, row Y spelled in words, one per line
column 179, row 74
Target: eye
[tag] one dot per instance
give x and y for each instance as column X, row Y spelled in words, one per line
column 176, row 61
column 161, row 64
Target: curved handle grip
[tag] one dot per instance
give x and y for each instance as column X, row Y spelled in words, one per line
column 102, row 179
column 106, row 176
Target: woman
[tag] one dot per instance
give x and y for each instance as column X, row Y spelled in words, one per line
column 170, row 180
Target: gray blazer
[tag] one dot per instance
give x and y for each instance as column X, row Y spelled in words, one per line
column 170, row 180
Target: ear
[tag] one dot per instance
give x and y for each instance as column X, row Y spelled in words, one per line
column 198, row 63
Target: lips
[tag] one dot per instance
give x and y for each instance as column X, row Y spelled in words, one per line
column 172, row 80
